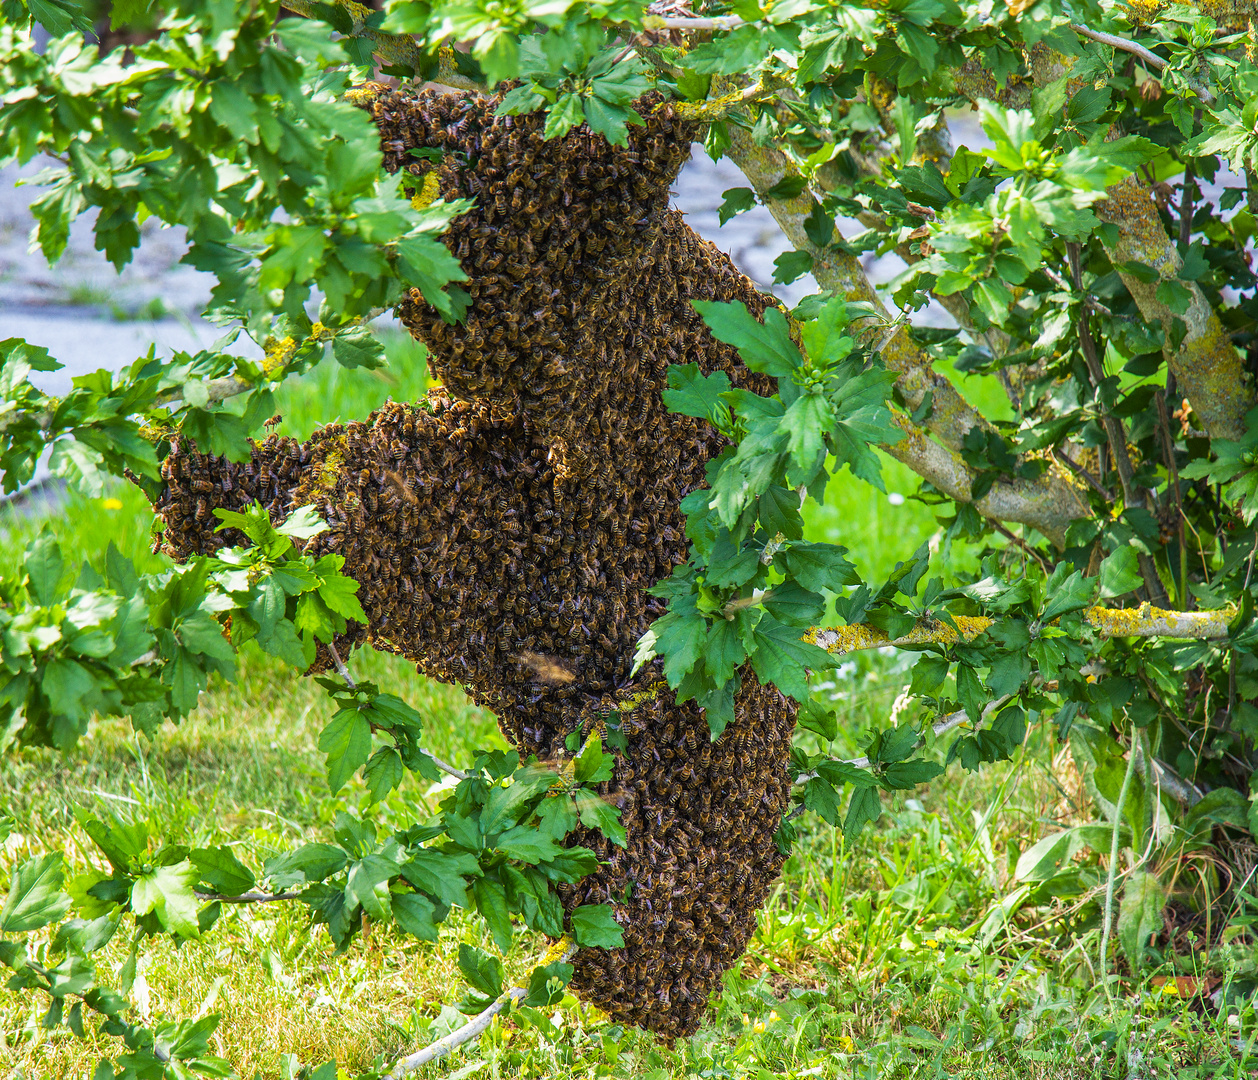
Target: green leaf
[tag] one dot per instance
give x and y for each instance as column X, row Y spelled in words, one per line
column 1120, row 573
column 819, row 226
column 415, row 914
column 1140, row 915
column 790, row 266
column 219, row 868
column 307, row 864
column 594, row 926
column 302, row 524
column 1067, row 592
column 691, row 393
column 820, row 567
column 367, row 883
column 765, row 347
column 546, row 985
column 168, row 891
column 358, row 347
column 971, row 692
column 35, row 898
column 441, row 874
column 781, row 657
column 736, row 201
column 592, row 765
column 821, row 798
column 347, row 742
column 865, row 807
column 725, row 650
column 596, row 813
column 491, row 902
column 44, row 568
column 482, row 971
column 527, row 844
column 383, row 772
column 903, row 775
column 929, row 674
column 778, row 510
column 679, row 639
column 807, row 422
column 816, row 717
column 791, row 603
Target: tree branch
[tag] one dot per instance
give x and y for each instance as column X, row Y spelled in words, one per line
column 940, row 727
column 392, row 48
column 444, row 766
column 561, row 951
column 766, row 166
column 1207, row 366
column 1136, row 49
column 249, row 897
column 1144, row 621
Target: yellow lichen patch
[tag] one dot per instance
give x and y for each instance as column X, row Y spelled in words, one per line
column 428, row 193
column 277, row 352
column 330, row 470
column 364, row 93
column 643, row 697
column 1145, row 12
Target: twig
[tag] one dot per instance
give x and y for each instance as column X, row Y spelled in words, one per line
column 940, row 727
column 718, row 22
column 1151, row 58
column 468, row 1031
column 1084, row 475
column 444, row 766
column 1009, row 534
column 1114, row 431
column 249, row 897
column 340, row 666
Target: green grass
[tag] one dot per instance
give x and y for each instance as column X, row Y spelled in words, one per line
column 888, row 959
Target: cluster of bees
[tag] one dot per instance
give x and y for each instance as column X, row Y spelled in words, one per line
column 509, row 527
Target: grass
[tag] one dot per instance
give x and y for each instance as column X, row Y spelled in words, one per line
column 892, row 958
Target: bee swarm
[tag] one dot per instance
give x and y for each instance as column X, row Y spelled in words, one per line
column 504, row 532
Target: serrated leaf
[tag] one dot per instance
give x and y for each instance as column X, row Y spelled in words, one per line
column 168, row 891
column 596, row 813
column 820, row 567
column 219, row 868
column 865, row 807
column 482, row 971
column 415, row 914
column 594, row 926
column 35, row 898
column 347, row 742
column 1120, row 573
column 765, row 347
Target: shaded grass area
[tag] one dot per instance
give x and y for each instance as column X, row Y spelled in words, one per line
column 889, row 959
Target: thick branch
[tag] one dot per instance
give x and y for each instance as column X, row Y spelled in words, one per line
column 1144, row 621
column 765, row 166
column 1206, row 365
column 1048, row 504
